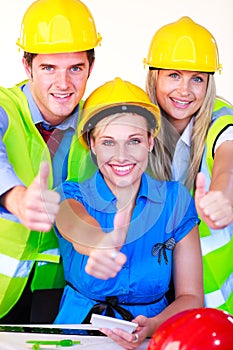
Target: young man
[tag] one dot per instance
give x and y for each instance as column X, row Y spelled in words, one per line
column 58, row 40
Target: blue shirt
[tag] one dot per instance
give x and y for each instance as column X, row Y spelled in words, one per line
column 8, row 178
column 163, row 210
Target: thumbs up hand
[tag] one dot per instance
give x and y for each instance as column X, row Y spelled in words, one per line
column 212, row 206
column 105, row 261
column 39, row 205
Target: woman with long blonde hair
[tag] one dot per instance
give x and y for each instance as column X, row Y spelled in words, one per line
column 196, row 136
column 119, row 264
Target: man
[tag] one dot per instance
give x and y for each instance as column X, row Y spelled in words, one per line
column 58, row 39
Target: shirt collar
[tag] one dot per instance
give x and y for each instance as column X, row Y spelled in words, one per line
column 187, row 133
column 101, row 194
column 150, row 189
column 70, row 122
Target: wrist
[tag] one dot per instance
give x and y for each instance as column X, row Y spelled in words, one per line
column 12, row 200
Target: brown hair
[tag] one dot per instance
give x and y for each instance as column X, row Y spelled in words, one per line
column 30, row 56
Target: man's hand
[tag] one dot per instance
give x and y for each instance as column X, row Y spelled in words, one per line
column 38, row 206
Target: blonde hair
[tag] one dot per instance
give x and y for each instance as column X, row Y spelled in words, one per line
column 107, row 120
column 163, row 151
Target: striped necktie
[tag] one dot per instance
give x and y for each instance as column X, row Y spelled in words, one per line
column 52, row 136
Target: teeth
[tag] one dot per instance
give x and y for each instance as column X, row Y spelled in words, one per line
column 61, row 96
column 122, row 168
column 180, row 102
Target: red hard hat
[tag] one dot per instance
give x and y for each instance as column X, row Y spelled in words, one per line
column 196, row 329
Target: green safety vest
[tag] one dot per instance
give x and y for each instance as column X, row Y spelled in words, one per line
column 21, row 248
column 217, row 245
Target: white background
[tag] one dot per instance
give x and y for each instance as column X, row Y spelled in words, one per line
column 127, row 27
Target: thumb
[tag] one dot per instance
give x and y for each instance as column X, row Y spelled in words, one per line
column 200, row 186
column 121, row 225
column 119, row 219
column 42, row 176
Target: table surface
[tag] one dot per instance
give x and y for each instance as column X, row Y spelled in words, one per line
column 17, row 341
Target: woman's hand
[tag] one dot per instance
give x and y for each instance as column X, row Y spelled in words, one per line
column 105, row 261
column 213, row 207
column 126, row 340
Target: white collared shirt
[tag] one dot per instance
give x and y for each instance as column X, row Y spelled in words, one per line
column 181, row 156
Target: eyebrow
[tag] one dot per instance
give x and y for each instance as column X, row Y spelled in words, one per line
column 78, row 64
column 112, row 137
column 182, row 70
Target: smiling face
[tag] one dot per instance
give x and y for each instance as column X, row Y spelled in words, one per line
column 121, row 145
column 57, row 83
column 180, row 94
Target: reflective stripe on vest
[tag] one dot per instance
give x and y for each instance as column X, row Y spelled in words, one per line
column 14, row 268
column 218, row 239
column 217, row 298
column 21, row 268
column 24, row 249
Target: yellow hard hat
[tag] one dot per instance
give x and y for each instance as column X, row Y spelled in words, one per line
column 116, row 96
column 184, row 45
column 57, row 26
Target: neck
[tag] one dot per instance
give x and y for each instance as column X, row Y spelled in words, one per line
column 125, row 198
column 178, row 124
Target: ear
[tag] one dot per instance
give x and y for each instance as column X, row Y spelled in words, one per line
column 92, row 145
column 91, row 67
column 151, row 142
column 27, row 69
